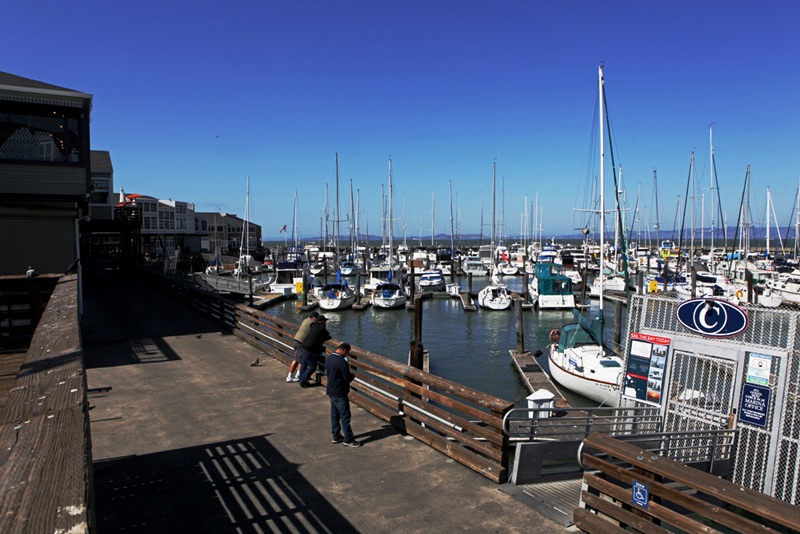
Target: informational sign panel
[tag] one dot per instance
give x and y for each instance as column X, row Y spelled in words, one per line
column 754, row 408
column 647, row 362
column 758, row 369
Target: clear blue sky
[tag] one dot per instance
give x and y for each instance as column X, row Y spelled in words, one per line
column 191, row 98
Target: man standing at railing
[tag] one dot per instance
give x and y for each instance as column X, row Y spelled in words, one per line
column 313, row 347
column 299, row 337
column 338, row 389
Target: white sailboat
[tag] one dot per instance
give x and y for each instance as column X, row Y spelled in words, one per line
column 578, row 359
column 336, row 296
column 579, row 362
column 496, row 295
column 389, row 294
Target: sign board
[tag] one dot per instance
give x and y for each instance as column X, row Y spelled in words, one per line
column 758, row 369
column 712, row 317
column 640, row 494
column 647, row 362
column 754, row 407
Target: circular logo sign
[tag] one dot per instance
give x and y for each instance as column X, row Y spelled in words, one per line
column 712, row 317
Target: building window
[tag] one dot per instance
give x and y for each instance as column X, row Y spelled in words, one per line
column 32, row 132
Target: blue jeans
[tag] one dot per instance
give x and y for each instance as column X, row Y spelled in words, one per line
column 307, row 366
column 340, row 418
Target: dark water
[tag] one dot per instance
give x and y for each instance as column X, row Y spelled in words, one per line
column 471, row 348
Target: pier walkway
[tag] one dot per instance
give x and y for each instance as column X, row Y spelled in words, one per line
column 188, row 436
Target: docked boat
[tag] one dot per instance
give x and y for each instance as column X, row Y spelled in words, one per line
column 580, row 363
column 550, row 289
column 388, row 295
column 495, row 296
column 473, row 264
column 288, row 278
column 336, row 296
column 350, row 268
column 430, row 281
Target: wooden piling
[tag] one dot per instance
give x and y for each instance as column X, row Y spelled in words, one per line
column 520, row 329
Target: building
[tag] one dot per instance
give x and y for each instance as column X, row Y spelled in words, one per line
column 168, row 227
column 226, row 232
column 45, row 174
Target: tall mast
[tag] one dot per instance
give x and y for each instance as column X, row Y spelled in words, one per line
column 602, row 185
column 433, row 213
column 391, row 228
column 711, row 178
column 691, row 245
column 338, row 219
column 494, row 202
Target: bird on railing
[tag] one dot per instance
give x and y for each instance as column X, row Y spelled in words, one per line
column 31, row 272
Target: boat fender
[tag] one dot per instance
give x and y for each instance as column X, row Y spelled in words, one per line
column 555, row 335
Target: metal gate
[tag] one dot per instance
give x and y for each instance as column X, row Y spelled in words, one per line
column 709, row 379
column 701, row 392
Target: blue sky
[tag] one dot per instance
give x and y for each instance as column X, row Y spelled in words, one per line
column 191, row 98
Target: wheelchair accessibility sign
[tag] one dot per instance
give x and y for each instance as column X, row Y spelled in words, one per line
column 640, row 494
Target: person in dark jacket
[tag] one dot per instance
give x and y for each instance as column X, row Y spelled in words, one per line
column 313, row 346
column 338, row 389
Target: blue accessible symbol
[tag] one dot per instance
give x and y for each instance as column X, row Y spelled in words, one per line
column 640, row 494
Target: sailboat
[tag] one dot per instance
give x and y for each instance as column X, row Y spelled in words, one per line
column 336, row 296
column 578, row 359
column 496, row 295
column 579, row 362
column 388, row 293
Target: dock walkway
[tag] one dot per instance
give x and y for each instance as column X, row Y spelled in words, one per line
column 193, row 438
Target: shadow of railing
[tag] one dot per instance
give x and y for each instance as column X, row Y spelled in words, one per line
column 242, row 485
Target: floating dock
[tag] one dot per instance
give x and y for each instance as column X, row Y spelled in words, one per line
column 535, row 377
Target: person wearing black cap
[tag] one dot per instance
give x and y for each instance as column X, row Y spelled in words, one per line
column 338, row 389
column 313, row 346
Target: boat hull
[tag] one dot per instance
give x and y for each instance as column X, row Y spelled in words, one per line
column 570, row 376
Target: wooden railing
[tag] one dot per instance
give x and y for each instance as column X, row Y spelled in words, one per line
column 22, row 302
column 45, row 448
column 627, row 487
column 464, row 424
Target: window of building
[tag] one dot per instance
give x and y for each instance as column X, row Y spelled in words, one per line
column 42, row 133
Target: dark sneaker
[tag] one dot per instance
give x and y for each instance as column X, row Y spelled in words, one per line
column 353, row 443
column 305, row 385
column 337, row 439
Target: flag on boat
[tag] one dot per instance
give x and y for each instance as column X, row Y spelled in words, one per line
column 283, row 229
column 504, row 255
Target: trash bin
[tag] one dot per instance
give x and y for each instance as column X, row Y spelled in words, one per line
column 540, row 400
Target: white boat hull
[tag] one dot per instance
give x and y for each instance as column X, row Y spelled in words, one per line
column 337, row 303
column 492, row 298
column 600, row 386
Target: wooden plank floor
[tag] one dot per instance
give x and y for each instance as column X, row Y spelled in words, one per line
column 10, row 364
column 528, row 368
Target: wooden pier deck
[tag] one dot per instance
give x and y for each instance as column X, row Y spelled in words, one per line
column 534, row 376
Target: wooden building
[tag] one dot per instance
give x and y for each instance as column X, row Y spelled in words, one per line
column 45, row 174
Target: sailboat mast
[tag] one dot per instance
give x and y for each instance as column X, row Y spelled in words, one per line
column 433, row 213
column 338, row 219
column 391, row 228
column 600, row 84
column 711, row 178
column 494, row 204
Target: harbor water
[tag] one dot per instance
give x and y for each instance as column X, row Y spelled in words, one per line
column 467, row 347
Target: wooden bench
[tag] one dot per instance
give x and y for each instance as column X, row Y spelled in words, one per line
column 627, row 488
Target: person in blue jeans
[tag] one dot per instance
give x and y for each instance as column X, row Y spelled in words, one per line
column 312, row 348
column 338, row 389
